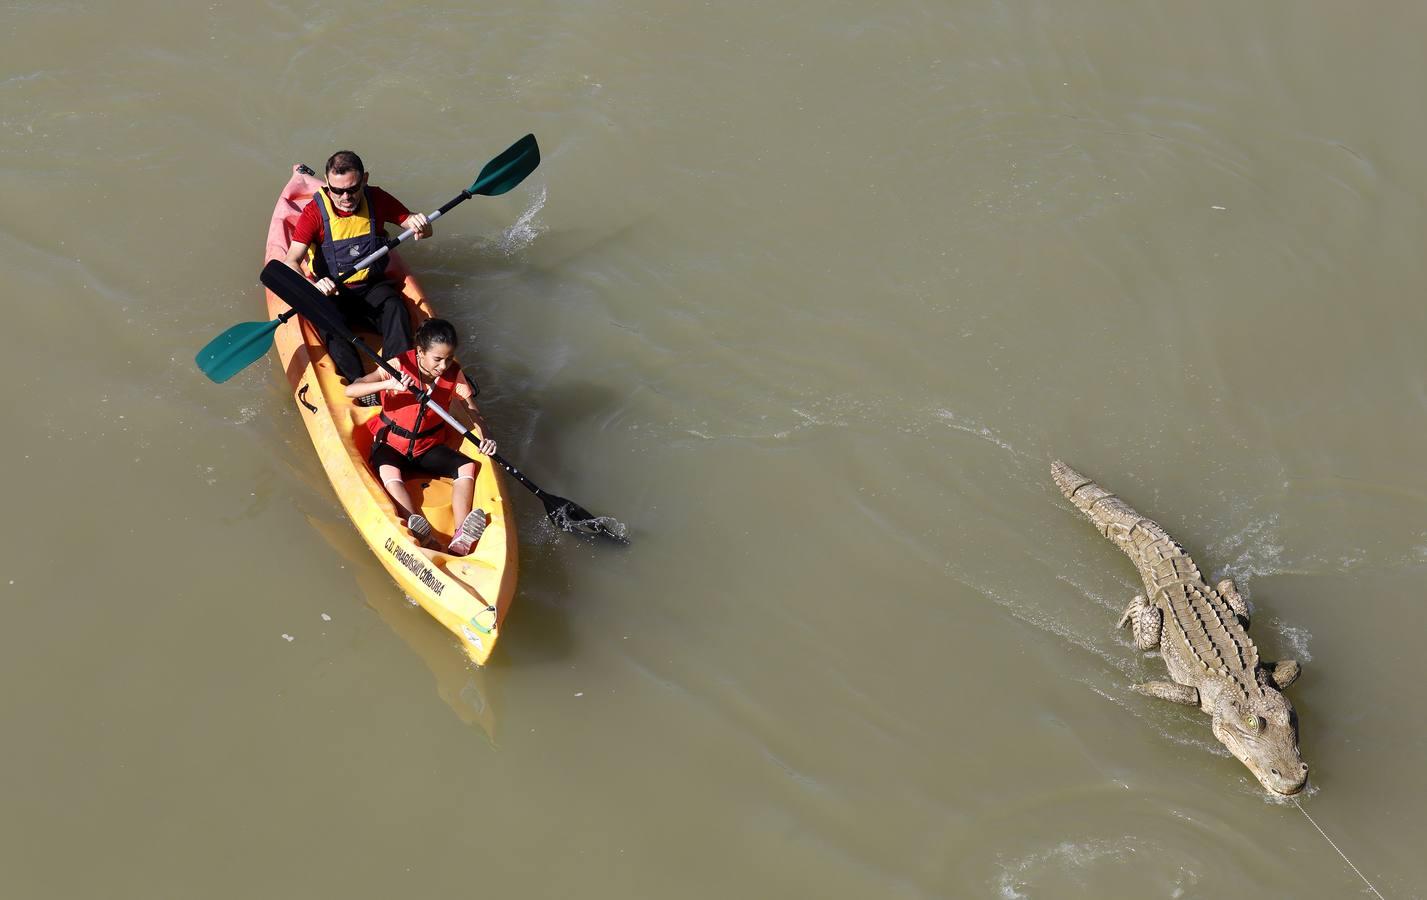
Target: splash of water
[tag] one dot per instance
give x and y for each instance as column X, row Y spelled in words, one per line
column 590, row 526
column 523, row 232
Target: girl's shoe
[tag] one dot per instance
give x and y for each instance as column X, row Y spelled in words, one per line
column 420, row 529
column 469, row 532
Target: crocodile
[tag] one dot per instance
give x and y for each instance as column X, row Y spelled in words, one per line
column 1202, row 635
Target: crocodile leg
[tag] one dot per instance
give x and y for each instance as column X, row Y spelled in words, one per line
column 1283, row 673
column 1145, row 620
column 1168, row 690
column 1235, row 600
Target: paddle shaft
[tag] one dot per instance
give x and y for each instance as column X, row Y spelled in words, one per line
column 391, row 243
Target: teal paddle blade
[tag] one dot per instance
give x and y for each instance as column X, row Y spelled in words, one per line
column 509, row 169
column 235, row 349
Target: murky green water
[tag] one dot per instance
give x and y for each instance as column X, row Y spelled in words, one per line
column 808, row 295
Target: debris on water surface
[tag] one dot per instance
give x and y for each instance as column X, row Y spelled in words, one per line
column 289, row 638
column 326, row 618
column 579, row 693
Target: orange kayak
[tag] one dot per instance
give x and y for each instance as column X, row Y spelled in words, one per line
column 469, row 595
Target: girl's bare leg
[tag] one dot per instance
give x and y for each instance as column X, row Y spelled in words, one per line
column 396, row 486
column 463, row 493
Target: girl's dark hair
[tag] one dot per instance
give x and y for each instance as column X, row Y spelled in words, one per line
column 436, row 331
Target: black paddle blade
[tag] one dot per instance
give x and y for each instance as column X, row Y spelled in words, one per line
column 566, row 514
column 302, row 295
column 572, row 517
column 509, row 169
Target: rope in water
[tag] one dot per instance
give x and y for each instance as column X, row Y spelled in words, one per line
column 1335, row 847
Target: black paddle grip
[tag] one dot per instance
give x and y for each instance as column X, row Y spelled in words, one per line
column 455, row 202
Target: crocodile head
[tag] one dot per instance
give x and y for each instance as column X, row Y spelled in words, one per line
column 1262, row 732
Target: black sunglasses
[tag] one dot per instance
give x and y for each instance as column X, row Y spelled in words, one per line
column 344, row 192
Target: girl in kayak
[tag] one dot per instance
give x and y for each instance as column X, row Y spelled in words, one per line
column 408, row 438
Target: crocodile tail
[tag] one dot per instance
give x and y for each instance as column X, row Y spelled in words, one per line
column 1113, row 517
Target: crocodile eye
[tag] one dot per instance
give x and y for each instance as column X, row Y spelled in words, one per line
column 1252, row 723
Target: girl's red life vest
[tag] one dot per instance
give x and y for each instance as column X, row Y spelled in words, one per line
column 406, row 423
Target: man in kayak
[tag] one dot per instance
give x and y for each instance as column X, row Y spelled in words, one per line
column 343, row 224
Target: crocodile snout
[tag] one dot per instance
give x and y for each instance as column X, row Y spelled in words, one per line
column 1287, row 783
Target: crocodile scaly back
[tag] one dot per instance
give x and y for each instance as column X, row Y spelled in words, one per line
column 1196, row 615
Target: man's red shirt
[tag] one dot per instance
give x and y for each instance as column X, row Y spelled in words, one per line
column 385, row 208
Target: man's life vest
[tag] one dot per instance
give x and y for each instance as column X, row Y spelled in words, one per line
column 347, row 239
column 405, row 423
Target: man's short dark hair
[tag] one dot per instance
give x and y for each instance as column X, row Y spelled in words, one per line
column 344, row 161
